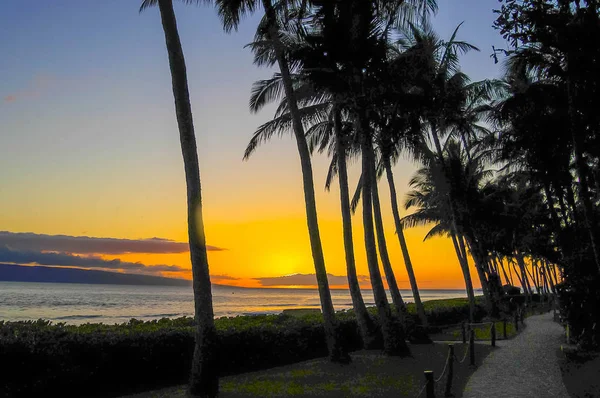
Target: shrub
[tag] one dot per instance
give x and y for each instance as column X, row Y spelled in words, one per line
column 40, row 359
column 43, row 359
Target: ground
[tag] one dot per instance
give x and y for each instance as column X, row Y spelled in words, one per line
column 580, row 372
column 370, row 374
column 525, row 366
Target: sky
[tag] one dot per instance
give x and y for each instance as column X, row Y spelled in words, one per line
column 89, row 149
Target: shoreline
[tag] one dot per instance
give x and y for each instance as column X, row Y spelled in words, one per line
column 88, row 319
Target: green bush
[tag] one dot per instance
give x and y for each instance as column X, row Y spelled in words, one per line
column 40, row 359
column 43, row 359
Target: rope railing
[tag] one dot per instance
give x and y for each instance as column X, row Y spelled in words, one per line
column 422, row 389
column 450, row 325
column 464, row 357
column 445, row 367
column 448, row 370
column 431, row 382
column 480, row 323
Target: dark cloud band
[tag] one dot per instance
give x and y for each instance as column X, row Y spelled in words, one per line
column 89, row 245
column 70, row 260
column 306, row 280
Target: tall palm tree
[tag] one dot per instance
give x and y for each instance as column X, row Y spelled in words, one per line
column 445, row 91
column 394, row 136
column 364, row 320
column 204, row 377
column 352, row 40
column 327, row 129
column 429, row 197
column 269, row 43
column 381, row 241
column 394, row 345
column 334, row 66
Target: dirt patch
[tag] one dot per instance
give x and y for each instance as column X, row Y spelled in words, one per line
column 580, row 373
column 371, row 374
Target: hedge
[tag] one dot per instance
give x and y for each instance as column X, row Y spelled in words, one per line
column 38, row 358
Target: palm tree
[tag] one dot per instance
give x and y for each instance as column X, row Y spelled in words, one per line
column 381, row 241
column 269, row 44
column 334, row 67
column 362, row 48
column 204, row 377
column 446, row 90
column 326, row 129
column 429, row 197
column 364, row 320
column 394, row 136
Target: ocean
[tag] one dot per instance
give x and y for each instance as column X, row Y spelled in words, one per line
column 109, row 304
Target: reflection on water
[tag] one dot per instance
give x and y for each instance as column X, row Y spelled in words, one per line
column 79, row 303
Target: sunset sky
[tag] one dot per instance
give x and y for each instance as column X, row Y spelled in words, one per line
column 89, row 147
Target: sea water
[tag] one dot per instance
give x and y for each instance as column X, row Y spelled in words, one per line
column 81, row 303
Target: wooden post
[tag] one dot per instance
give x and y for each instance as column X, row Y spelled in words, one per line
column 504, row 328
column 464, row 333
column 568, row 335
column 429, row 390
column 472, row 347
column 517, row 321
column 448, row 392
column 493, row 333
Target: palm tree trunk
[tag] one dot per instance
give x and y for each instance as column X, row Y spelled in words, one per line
column 204, row 378
column 464, row 265
column 400, row 232
column 480, row 272
column 508, row 280
column 523, row 268
column 393, row 335
column 551, row 280
column 522, row 281
column 365, row 323
column 584, row 191
column 336, row 351
column 512, row 281
column 454, row 215
column 381, row 241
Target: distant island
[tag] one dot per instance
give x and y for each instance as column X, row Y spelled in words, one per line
column 18, row 273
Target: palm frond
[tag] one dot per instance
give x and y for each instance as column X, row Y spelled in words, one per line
column 264, row 92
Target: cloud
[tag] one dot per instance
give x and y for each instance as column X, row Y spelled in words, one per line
column 89, row 245
column 306, row 280
column 224, row 277
column 36, row 86
column 70, row 260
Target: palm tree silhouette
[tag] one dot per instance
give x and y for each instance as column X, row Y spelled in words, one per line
column 326, row 129
column 430, row 197
column 269, row 48
column 204, row 377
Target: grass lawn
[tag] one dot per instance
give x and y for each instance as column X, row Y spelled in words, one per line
column 370, row 374
column 482, row 332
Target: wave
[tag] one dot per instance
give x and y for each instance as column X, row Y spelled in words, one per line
column 278, row 305
column 67, row 317
column 177, row 314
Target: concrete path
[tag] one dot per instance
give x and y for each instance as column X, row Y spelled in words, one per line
column 526, row 366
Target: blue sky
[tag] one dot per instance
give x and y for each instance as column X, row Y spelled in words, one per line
column 88, row 140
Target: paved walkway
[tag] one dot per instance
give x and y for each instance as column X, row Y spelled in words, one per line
column 526, row 366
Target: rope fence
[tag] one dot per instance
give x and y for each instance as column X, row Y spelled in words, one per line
column 468, row 328
column 464, row 357
column 448, row 372
column 422, row 389
column 495, row 328
column 448, row 358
